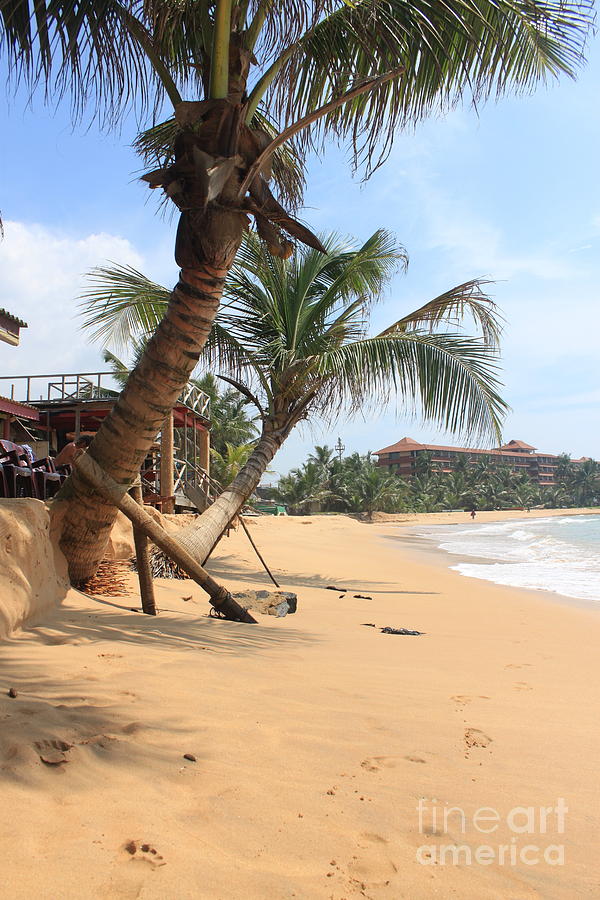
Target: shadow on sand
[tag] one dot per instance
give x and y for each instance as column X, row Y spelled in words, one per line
column 227, row 567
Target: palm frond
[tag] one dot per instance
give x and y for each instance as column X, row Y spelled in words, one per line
column 450, row 379
column 452, row 307
column 92, row 51
column 488, row 47
column 119, row 369
column 123, row 304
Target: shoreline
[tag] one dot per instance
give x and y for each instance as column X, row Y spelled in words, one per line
column 438, row 557
column 460, row 517
column 315, row 737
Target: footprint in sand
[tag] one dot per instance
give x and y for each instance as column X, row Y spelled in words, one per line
column 522, row 686
column 474, row 737
column 132, row 727
column 371, row 868
column 144, row 852
column 376, row 763
column 373, row 838
column 518, row 666
column 462, row 699
column 415, row 759
column 52, row 752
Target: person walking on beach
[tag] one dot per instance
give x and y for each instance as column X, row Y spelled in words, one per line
column 473, row 513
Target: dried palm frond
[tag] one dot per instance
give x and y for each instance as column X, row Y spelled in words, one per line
column 162, row 566
column 109, row 579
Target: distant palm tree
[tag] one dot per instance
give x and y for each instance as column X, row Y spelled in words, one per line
column 302, row 488
column 226, row 466
column 231, row 423
column 322, row 456
column 585, row 482
column 293, row 339
column 370, row 490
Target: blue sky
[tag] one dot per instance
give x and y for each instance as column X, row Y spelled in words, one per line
column 510, row 192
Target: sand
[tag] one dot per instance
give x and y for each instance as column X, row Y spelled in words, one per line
column 314, row 736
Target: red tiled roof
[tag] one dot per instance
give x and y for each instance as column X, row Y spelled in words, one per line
column 14, row 408
column 19, row 322
column 405, row 444
column 517, row 447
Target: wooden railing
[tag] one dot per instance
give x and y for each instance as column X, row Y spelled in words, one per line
column 82, row 386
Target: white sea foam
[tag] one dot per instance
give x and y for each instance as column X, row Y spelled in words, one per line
column 559, row 554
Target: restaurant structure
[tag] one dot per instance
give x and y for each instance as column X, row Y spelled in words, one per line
column 48, row 411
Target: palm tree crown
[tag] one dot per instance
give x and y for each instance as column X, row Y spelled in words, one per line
column 284, row 63
column 293, row 336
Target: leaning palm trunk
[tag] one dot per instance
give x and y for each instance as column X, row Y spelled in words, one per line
column 200, row 538
column 126, row 435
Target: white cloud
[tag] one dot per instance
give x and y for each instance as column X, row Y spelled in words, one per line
column 474, row 241
column 41, row 275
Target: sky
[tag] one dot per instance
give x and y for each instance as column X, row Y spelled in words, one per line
column 510, row 192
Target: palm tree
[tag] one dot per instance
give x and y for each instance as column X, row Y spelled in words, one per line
column 265, row 83
column 585, row 482
column 303, row 487
column 293, row 339
column 371, row 489
column 322, row 456
column 226, row 465
column 230, row 422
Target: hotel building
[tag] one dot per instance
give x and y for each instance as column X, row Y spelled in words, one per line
column 403, row 458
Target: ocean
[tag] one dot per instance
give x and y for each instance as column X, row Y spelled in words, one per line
column 559, row 554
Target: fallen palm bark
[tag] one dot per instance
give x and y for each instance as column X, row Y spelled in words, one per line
column 220, row 597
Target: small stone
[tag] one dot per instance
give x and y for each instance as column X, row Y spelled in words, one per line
column 145, row 848
column 189, row 756
column 12, row 693
column 131, row 847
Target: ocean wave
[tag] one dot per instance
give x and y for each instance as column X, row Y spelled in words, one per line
column 560, row 554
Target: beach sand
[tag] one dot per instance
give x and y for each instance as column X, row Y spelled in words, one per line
column 315, row 736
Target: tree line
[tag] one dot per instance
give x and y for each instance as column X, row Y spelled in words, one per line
column 356, row 484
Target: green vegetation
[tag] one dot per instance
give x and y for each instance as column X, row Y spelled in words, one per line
column 355, row 484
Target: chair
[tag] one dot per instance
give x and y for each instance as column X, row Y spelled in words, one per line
column 3, row 483
column 47, row 480
column 18, row 476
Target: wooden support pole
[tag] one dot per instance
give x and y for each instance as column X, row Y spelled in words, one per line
column 167, row 469
column 256, row 550
column 142, row 558
column 220, row 597
column 204, row 450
